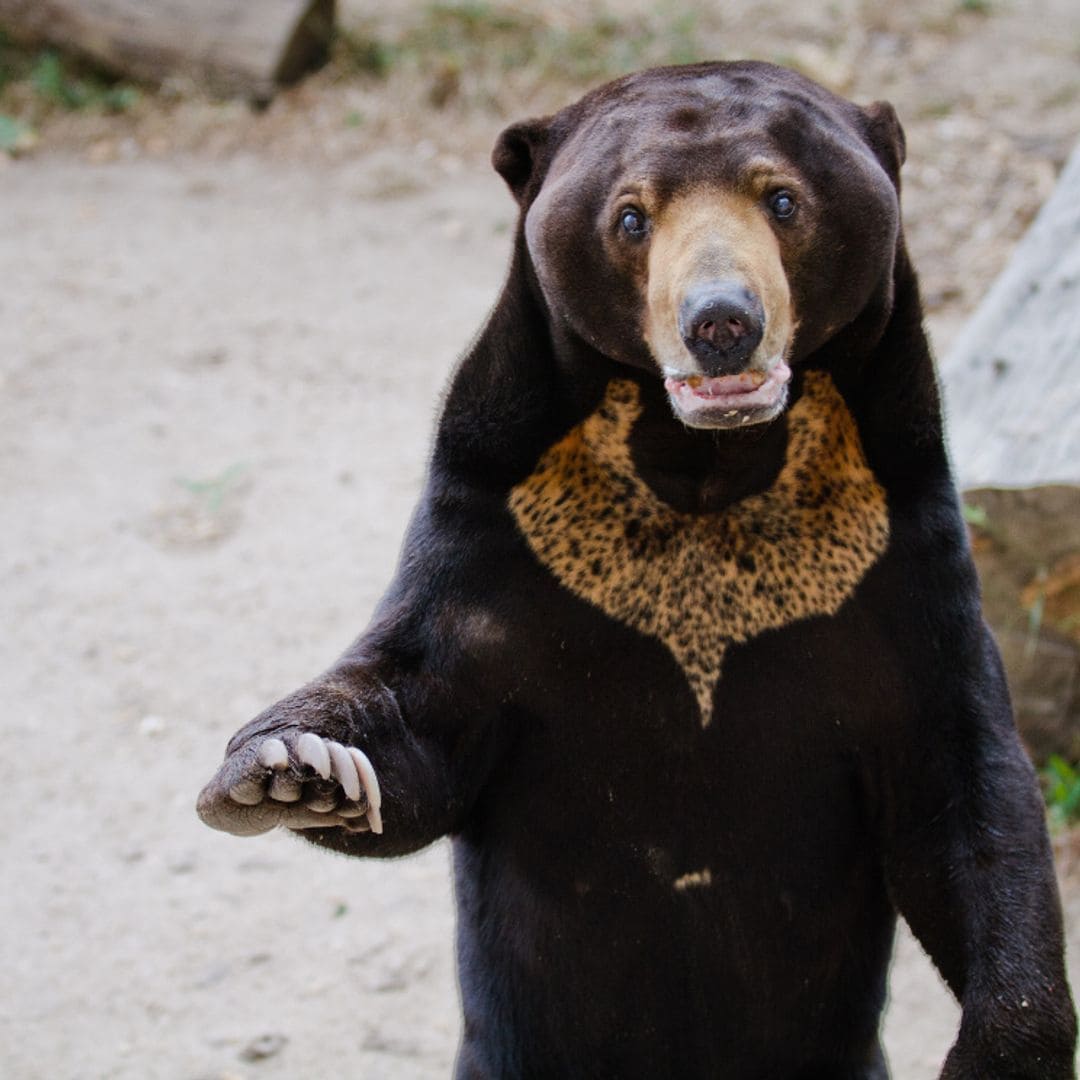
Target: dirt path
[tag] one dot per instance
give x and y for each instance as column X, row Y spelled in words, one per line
column 217, row 388
column 216, row 407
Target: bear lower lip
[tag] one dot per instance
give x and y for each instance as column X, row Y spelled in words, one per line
column 723, row 400
column 724, row 385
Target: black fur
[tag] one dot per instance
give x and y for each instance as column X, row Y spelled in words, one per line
column 858, row 765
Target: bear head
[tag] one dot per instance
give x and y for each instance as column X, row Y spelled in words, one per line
column 713, row 224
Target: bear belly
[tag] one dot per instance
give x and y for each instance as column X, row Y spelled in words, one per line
column 628, row 977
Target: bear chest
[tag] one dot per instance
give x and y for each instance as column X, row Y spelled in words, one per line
column 699, row 583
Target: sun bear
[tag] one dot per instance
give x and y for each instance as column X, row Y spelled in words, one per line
column 684, row 650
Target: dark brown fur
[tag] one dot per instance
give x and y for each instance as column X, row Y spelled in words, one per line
column 703, row 709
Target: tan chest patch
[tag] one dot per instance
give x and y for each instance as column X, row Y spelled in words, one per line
column 700, row 582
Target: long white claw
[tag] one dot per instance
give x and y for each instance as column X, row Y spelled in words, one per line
column 371, row 787
column 284, row 788
column 344, row 770
column 247, row 793
column 311, row 750
column 273, row 755
column 368, row 778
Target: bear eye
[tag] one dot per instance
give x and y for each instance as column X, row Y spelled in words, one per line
column 633, row 222
column 782, row 204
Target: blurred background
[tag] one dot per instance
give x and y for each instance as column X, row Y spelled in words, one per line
column 240, row 256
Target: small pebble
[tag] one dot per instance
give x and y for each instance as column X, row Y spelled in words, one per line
column 152, row 726
column 265, row 1046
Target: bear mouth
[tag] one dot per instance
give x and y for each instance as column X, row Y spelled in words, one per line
column 726, row 401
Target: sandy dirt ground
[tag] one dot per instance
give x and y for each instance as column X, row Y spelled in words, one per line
column 214, row 429
column 218, row 376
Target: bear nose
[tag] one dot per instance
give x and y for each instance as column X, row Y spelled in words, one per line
column 722, row 324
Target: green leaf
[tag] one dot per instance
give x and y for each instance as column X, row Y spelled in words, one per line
column 976, row 515
column 15, row 136
column 10, row 131
column 1061, row 769
column 1062, row 785
column 214, row 491
column 47, row 79
column 119, row 99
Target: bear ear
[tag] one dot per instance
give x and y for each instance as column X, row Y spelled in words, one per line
column 886, row 137
column 517, row 153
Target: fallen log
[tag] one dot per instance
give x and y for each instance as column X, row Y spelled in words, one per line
column 232, row 47
column 1012, row 383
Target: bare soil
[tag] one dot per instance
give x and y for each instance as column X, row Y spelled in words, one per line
column 223, row 337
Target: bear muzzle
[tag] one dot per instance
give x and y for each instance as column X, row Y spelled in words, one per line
column 719, row 317
column 727, row 379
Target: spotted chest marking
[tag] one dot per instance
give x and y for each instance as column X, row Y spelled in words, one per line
column 701, row 582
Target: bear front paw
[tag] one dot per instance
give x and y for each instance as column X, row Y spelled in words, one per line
column 301, row 782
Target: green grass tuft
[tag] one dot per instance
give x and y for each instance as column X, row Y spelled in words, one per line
column 66, row 85
column 15, row 136
column 1061, row 785
column 37, row 82
column 477, row 43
